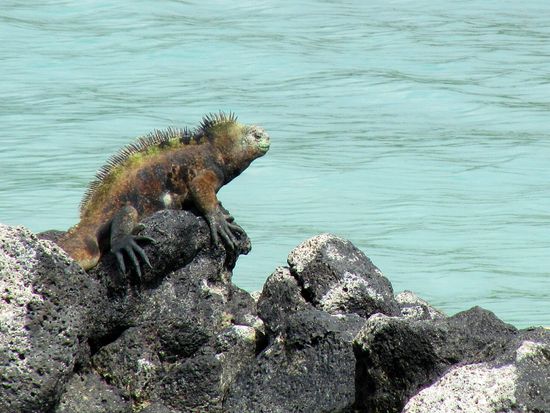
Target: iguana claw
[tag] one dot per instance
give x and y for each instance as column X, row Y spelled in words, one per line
column 223, row 226
column 129, row 245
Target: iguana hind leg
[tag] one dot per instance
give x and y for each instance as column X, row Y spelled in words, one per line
column 124, row 239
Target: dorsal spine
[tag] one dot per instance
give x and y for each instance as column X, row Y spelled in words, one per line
column 160, row 139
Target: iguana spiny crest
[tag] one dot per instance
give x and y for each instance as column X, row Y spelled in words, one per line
column 165, row 169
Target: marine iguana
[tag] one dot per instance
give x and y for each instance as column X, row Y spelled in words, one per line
column 165, row 169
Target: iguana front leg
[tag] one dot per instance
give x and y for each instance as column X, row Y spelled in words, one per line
column 203, row 189
column 124, row 239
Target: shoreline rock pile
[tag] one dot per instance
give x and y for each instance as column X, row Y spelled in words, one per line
column 326, row 334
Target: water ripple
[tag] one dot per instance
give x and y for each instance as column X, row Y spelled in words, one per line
column 419, row 130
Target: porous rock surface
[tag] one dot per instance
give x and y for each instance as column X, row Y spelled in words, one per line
column 171, row 341
column 326, row 334
column 312, row 310
column 46, row 303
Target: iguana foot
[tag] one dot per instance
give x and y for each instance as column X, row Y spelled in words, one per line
column 129, row 246
column 124, row 239
column 222, row 226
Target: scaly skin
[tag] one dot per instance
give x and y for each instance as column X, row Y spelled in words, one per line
column 170, row 169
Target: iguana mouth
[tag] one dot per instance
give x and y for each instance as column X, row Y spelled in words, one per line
column 264, row 147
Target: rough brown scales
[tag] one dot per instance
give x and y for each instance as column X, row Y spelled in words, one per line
column 166, row 169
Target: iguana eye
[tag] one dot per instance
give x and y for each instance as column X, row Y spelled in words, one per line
column 256, row 133
column 252, row 132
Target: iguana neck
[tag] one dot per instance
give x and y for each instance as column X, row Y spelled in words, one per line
column 231, row 163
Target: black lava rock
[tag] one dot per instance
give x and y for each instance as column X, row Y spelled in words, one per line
column 325, row 335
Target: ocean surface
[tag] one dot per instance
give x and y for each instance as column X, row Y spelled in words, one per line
column 419, row 130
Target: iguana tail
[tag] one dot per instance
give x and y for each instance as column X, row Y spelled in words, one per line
column 82, row 246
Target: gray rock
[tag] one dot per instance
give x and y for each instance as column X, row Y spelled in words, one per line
column 415, row 308
column 325, row 334
column 396, row 357
column 337, row 277
column 309, row 368
column 184, row 321
column 471, row 388
column 167, row 340
column 155, row 408
column 532, row 362
column 87, row 392
column 311, row 311
column 46, row 306
column 520, row 383
column 280, row 297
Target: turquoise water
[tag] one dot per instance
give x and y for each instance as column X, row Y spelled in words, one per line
column 419, row 130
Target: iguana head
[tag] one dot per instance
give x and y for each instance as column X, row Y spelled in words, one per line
column 239, row 144
column 255, row 138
